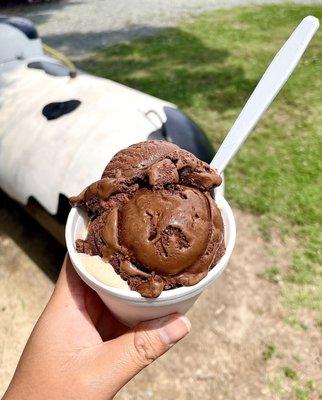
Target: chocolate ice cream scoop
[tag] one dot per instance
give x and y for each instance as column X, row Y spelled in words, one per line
column 153, row 218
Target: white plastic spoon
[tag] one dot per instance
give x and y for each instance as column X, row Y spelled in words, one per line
column 267, row 88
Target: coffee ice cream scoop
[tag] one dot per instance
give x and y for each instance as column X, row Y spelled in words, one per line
column 153, row 218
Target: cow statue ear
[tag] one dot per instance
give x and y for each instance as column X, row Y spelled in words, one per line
column 23, row 24
column 50, row 68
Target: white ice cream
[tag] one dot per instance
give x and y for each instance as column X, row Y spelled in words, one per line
column 102, row 271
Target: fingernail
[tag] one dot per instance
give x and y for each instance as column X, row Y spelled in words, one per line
column 175, row 329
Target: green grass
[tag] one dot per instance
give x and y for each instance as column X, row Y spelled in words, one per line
column 269, row 351
column 289, row 373
column 288, row 384
column 293, row 321
column 208, row 67
column 271, row 274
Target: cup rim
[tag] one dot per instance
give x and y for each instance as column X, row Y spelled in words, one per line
column 167, row 295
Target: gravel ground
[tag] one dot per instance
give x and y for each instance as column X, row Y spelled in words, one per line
column 77, row 26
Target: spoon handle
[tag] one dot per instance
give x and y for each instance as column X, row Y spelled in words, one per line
column 267, row 88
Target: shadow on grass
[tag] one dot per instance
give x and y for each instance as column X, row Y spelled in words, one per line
column 75, row 44
column 176, row 66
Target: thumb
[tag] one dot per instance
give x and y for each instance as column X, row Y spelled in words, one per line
column 119, row 360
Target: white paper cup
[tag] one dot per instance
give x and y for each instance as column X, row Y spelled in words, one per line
column 130, row 307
